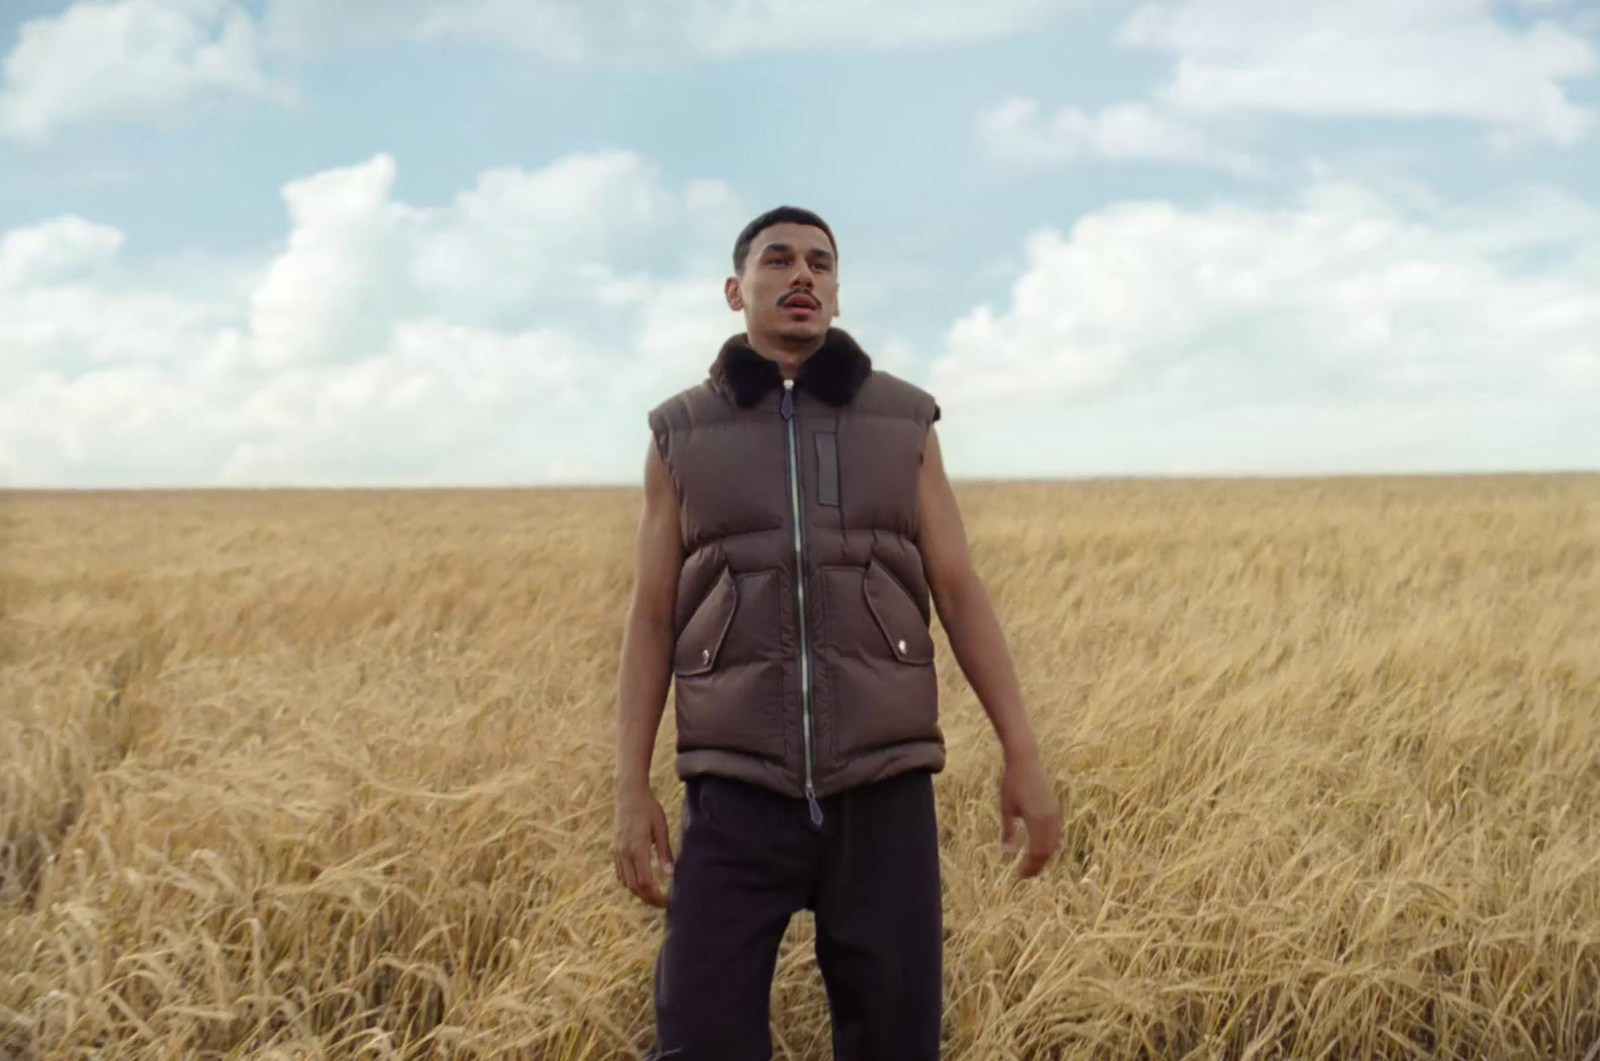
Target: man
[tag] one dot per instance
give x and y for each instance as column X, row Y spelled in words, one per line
column 797, row 520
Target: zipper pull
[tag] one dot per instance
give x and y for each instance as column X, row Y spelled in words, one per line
column 788, row 398
column 816, row 809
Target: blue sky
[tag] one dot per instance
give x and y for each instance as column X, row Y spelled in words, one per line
column 418, row 242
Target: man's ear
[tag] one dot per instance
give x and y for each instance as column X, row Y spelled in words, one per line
column 730, row 290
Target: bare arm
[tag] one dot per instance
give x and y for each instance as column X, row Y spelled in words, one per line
column 642, row 682
column 647, row 638
column 964, row 607
column 980, row 648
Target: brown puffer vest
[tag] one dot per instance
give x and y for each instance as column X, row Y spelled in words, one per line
column 803, row 659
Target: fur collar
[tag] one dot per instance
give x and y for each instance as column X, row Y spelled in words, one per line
column 834, row 373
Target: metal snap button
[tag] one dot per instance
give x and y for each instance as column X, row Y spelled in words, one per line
column 705, row 655
column 902, row 647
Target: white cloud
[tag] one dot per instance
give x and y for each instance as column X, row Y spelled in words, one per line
column 660, row 29
column 1016, row 132
column 1380, row 58
column 334, row 291
column 84, row 324
column 1344, row 304
column 682, row 326
column 61, row 303
column 587, row 229
column 1325, row 333
column 63, row 249
column 1392, row 59
column 151, row 60
column 356, row 356
column 129, row 59
column 444, row 403
column 589, row 233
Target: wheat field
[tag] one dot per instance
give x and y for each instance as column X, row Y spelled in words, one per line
column 327, row 774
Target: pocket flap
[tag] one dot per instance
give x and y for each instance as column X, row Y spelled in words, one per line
column 897, row 615
column 701, row 639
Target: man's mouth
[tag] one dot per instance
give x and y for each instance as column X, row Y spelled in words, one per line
column 800, row 302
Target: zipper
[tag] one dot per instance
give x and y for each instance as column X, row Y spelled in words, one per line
column 800, row 595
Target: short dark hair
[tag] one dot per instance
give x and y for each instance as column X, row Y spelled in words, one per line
column 741, row 246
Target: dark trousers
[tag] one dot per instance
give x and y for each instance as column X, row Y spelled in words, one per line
column 748, row 858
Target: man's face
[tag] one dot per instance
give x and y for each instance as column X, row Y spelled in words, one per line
column 790, row 285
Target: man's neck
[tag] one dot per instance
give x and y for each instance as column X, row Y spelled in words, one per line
column 789, row 354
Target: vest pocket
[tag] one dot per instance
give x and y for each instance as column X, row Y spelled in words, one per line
column 729, row 675
column 897, row 615
column 701, row 640
column 875, row 693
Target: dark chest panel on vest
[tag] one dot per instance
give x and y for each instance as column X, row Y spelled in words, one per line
column 855, row 472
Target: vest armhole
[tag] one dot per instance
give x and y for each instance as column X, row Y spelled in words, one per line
column 658, row 434
column 930, row 416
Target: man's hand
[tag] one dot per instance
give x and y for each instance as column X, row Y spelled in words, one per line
column 1025, row 793
column 641, row 825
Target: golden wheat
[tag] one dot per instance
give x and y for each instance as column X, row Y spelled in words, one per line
column 301, row 774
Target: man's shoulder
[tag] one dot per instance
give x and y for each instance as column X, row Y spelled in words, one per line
column 688, row 406
column 883, row 393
